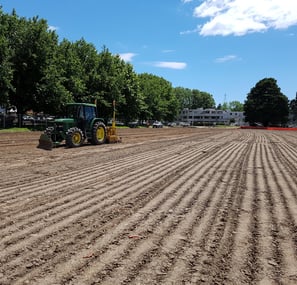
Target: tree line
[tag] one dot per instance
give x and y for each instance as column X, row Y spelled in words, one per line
column 40, row 73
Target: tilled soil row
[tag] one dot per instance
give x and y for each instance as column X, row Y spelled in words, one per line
column 194, row 206
column 34, row 227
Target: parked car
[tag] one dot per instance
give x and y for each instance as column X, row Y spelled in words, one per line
column 118, row 123
column 184, row 124
column 133, row 124
column 171, row 124
column 157, row 124
column 28, row 118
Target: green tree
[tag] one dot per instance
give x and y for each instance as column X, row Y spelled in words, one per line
column 160, row 100
column 193, row 99
column 117, row 81
column 33, row 49
column 132, row 103
column 266, row 104
column 6, row 71
column 72, row 70
column 184, row 97
column 79, row 63
column 224, row 106
column 173, row 107
column 293, row 108
column 236, row 106
column 52, row 93
column 202, row 99
column 232, row 106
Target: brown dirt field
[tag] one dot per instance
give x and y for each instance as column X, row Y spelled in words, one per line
column 165, row 206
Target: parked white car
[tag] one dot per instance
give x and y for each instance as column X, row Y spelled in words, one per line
column 157, row 124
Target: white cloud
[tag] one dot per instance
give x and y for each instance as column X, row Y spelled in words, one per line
column 226, row 58
column 190, row 32
column 239, row 17
column 186, row 1
column 171, row 64
column 127, row 57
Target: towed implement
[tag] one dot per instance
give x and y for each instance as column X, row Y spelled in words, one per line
column 80, row 124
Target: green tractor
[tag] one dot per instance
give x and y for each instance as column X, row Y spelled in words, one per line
column 80, row 123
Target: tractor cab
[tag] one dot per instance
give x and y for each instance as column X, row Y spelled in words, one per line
column 82, row 115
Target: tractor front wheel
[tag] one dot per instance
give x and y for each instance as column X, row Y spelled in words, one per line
column 74, row 137
column 98, row 133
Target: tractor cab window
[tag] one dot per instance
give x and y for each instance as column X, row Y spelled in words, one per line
column 90, row 113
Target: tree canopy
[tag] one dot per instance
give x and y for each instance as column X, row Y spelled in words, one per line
column 159, row 99
column 32, row 58
column 193, row 99
column 266, row 104
column 232, row 106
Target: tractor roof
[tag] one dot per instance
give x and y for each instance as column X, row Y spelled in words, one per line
column 81, row 104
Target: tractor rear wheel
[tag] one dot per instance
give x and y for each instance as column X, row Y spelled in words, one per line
column 74, row 137
column 98, row 133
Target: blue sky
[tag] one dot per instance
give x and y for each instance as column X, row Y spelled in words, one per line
column 223, row 47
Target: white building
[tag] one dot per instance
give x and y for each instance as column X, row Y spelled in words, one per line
column 202, row 116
